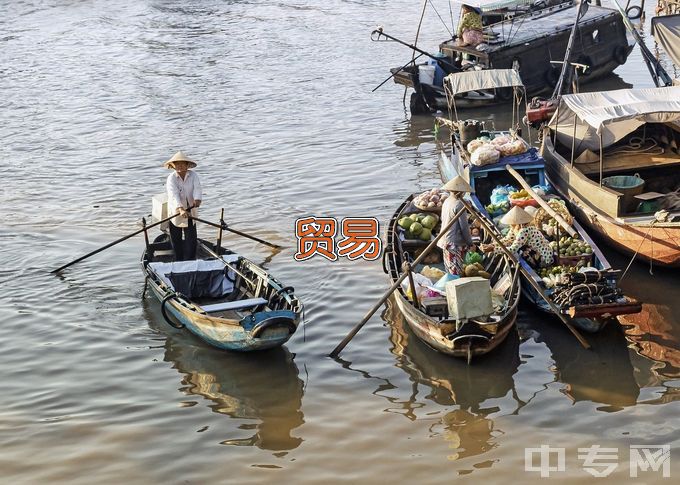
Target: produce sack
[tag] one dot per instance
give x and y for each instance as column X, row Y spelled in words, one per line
column 432, row 273
column 500, row 141
column 485, row 155
column 474, row 145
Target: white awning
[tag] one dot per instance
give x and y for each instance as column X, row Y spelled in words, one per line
column 613, row 114
column 666, row 30
column 462, row 82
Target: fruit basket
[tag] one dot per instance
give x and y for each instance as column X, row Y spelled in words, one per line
column 430, row 200
column 574, row 260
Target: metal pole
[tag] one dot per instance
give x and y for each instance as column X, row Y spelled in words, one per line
column 146, row 235
column 601, row 159
column 573, row 142
column 219, row 232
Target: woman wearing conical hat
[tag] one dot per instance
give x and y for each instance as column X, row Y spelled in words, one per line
column 184, row 191
column 524, row 240
column 458, row 240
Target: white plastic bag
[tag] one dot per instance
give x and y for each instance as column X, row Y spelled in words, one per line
column 421, row 283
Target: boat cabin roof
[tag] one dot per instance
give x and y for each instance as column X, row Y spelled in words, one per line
column 491, row 5
column 544, row 23
column 612, row 115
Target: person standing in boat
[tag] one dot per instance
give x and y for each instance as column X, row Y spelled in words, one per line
column 458, row 240
column 524, row 240
column 470, row 29
column 184, row 191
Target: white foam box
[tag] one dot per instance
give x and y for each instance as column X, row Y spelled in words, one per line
column 159, row 209
column 469, row 298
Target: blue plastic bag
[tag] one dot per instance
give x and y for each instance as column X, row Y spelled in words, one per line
column 441, row 284
column 542, row 189
column 500, row 193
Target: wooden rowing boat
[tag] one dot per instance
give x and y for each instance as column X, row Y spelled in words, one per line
column 221, row 297
column 465, row 339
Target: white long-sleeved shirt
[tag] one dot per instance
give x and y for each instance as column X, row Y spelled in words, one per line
column 183, row 193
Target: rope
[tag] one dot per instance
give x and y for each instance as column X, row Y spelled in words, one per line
column 440, row 18
column 636, row 145
column 638, row 250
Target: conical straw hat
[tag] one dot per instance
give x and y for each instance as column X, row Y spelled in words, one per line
column 517, row 215
column 457, row 184
column 179, row 157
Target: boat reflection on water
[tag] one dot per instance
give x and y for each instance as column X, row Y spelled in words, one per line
column 266, row 389
column 451, row 382
column 602, row 374
column 657, row 359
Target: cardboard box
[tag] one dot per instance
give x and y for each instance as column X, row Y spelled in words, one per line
column 469, row 298
column 159, row 210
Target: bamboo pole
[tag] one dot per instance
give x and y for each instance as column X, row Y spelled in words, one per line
column 527, row 276
column 542, row 203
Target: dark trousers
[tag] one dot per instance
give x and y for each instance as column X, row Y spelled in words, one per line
column 184, row 249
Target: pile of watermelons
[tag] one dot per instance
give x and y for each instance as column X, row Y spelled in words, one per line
column 418, row 225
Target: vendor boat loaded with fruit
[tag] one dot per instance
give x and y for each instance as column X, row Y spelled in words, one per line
column 579, row 283
column 463, row 317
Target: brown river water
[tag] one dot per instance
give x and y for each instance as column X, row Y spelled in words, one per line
column 274, row 101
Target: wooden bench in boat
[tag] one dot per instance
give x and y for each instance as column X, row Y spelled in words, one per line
column 233, row 305
column 622, row 162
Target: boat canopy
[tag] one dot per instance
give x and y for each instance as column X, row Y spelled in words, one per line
column 463, row 82
column 612, row 115
column 666, row 30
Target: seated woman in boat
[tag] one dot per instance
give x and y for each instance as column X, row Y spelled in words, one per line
column 458, row 240
column 470, row 27
column 184, row 191
column 524, row 240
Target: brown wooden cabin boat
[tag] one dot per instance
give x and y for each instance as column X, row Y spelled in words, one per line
column 534, row 44
column 636, row 133
column 465, row 339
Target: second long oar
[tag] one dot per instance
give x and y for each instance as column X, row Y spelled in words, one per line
column 240, row 233
column 145, row 228
column 528, row 277
column 357, row 327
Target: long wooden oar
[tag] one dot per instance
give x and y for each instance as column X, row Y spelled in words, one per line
column 240, row 233
column 541, row 202
column 144, row 229
column 355, row 330
column 527, row 276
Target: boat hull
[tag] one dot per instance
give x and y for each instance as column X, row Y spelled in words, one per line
column 227, row 334
column 422, row 327
column 657, row 242
column 247, row 331
column 443, row 335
